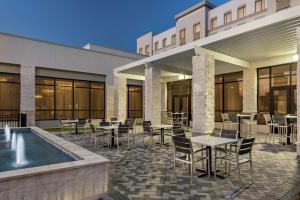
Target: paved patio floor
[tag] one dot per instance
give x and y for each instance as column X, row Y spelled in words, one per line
column 145, row 174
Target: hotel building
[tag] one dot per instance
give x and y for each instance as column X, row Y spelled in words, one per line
column 238, row 57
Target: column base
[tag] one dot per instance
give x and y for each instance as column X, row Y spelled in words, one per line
column 298, row 148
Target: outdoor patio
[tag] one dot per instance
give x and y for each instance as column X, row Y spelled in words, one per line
column 139, row 173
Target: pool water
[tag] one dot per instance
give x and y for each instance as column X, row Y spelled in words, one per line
column 38, row 152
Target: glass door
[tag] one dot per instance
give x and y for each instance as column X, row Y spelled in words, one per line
column 281, row 98
column 181, row 103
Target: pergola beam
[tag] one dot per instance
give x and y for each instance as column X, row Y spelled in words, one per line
column 222, row 57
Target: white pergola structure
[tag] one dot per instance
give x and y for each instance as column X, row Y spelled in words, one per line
column 271, row 40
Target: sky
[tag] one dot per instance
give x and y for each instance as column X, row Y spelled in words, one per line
column 110, row 23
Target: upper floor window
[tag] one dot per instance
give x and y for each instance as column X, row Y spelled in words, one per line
column 140, row 51
column 213, row 23
column 173, row 39
column 282, row 4
column 241, row 12
column 259, row 5
column 227, row 17
column 164, row 42
column 147, row 50
column 156, row 46
column 182, row 36
column 196, row 31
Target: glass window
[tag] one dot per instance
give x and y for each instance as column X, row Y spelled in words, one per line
column 213, row 23
column 196, row 31
column 147, row 50
column 227, row 17
column 9, row 94
column 156, row 46
column 174, row 39
column 63, row 99
column 228, row 94
column 135, row 101
column 259, row 5
column 264, row 73
column 182, row 36
column 264, row 95
column 241, row 12
column 283, row 70
column 141, row 51
column 164, row 42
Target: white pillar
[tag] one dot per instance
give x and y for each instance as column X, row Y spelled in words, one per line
column 164, row 102
column 298, row 95
column 27, row 75
column 109, row 96
column 152, row 95
column 120, row 95
column 250, row 90
column 203, row 87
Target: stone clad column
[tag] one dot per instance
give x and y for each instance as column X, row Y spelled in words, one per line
column 120, row 95
column 298, row 95
column 109, row 96
column 203, row 87
column 152, row 95
column 164, row 99
column 250, row 90
column 27, row 97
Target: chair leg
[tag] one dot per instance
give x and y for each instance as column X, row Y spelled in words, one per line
column 215, row 166
column 118, row 143
column 239, row 174
column 251, row 168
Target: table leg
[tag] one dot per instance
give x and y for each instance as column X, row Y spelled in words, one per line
column 162, row 136
column 76, row 128
column 239, row 127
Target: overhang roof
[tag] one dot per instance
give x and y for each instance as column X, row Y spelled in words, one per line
column 271, row 36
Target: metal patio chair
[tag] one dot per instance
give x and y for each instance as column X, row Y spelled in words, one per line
column 242, row 155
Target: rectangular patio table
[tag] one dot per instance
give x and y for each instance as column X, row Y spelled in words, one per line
column 211, row 142
column 112, row 131
column 162, row 128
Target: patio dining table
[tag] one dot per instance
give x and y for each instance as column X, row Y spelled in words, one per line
column 162, row 128
column 211, row 142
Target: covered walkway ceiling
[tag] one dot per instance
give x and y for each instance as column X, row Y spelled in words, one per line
column 270, row 37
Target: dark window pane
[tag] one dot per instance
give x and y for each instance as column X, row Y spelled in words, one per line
column 12, row 78
column 135, row 101
column 280, row 81
column 219, row 79
column 233, row 96
column 44, row 97
column 263, row 95
column 233, row 77
column 294, row 68
column 9, row 94
column 264, row 73
column 219, row 97
column 44, row 115
column 294, row 80
column 64, row 114
column 44, row 81
column 283, row 70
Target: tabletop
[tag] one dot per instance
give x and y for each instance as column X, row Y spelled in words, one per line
column 107, row 127
column 161, row 126
column 291, row 116
column 73, row 121
column 212, row 141
column 244, row 115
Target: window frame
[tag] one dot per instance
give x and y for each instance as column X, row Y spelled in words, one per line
column 211, row 23
column 262, row 4
column 164, row 43
column 156, row 46
column 173, row 39
column 225, row 17
column 244, row 7
column 73, row 110
column 182, row 41
column 147, row 50
column 196, row 35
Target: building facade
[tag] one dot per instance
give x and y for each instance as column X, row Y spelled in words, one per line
column 241, row 56
column 49, row 81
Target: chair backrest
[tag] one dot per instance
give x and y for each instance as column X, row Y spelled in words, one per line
column 254, row 117
column 179, row 133
column 123, row 129
column 130, row 122
column 268, row 118
column 231, row 134
column 63, row 121
column 279, row 119
column 147, row 126
column 92, row 127
column 104, row 124
column 246, row 145
column 225, row 117
column 182, row 145
column 176, row 125
column 81, row 122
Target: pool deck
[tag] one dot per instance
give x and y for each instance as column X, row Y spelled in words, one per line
column 137, row 173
